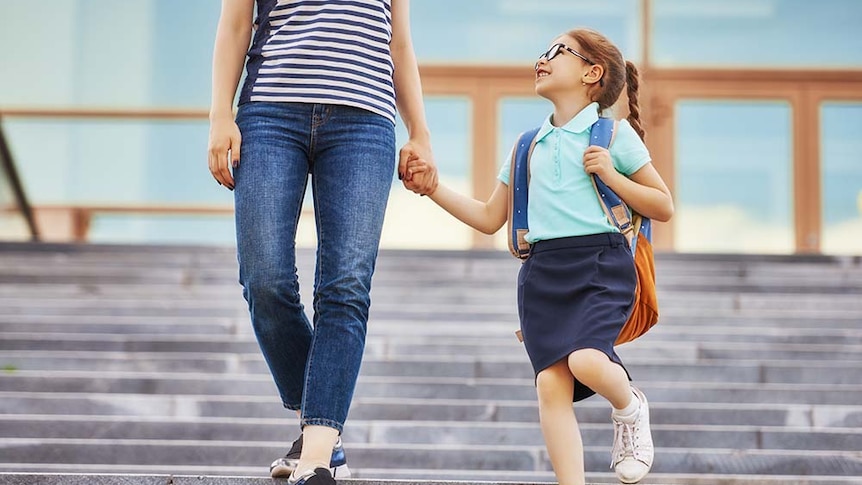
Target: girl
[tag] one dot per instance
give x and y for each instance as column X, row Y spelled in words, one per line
column 319, row 99
column 576, row 288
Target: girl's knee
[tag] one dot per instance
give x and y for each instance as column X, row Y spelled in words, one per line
column 587, row 361
column 554, row 383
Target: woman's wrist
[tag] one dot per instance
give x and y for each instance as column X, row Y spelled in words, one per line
column 421, row 136
column 221, row 113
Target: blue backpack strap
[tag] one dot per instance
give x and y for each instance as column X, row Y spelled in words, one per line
column 519, row 181
column 617, row 212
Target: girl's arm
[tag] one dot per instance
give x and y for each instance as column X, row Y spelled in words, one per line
column 408, row 96
column 644, row 191
column 487, row 217
column 232, row 39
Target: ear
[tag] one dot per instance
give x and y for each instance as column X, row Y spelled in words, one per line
column 593, row 75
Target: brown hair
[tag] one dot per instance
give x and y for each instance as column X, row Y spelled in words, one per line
column 618, row 73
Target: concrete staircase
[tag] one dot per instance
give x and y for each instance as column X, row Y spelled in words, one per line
column 140, row 360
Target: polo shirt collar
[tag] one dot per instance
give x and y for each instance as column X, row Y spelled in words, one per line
column 580, row 123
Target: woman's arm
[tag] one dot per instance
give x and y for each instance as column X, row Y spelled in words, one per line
column 231, row 44
column 408, row 95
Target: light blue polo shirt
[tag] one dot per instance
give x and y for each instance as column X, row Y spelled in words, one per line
column 562, row 201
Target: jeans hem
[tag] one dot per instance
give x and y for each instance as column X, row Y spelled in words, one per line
column 292, row 407
column 322, row 422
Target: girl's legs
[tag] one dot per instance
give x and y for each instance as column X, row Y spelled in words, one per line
column 595, row 370
column 632, row 455
column 554, row 386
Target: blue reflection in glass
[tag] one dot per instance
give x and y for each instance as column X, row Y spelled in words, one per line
column 449, row 119
column 733, row 176
column 518, row 115
column 841, row 172
column 757, row 33
column 515, row 31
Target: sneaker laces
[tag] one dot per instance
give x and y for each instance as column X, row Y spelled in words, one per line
column 624, row 445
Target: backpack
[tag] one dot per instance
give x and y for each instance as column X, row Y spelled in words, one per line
column 636, row 228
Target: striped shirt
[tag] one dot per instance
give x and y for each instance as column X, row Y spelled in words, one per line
column 322, row 51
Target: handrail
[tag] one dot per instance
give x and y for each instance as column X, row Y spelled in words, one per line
column 80, row 216
column 7, row 164
column 77, row 218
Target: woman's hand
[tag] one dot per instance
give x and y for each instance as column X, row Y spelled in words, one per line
column 224, row 149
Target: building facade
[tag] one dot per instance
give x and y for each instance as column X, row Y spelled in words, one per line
column 753, row 111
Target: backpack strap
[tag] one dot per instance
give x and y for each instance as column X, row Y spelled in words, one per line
column 602, row 134
column 519, row 181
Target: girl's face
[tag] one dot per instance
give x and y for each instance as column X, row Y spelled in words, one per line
column 562, row 68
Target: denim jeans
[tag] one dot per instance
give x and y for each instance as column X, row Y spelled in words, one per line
column 349, row 153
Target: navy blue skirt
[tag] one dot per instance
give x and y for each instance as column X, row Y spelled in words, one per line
column 575, row 293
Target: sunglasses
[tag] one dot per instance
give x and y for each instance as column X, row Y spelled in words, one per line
column 556, row 50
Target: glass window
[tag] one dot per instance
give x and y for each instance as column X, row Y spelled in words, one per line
column 515, row 31
column 841, row 162
column 105, row 53
column 113, row 161
column 733, row 184
column 159, row 52
column 756, row 33
column 417, row 222
column 122, row 162
column 163, row 229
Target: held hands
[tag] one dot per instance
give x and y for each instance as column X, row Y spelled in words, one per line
column 597, row 161
column 416, row 167
column 418, row 172
column 224, row 146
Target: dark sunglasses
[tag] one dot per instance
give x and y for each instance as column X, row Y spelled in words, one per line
column 556, row 49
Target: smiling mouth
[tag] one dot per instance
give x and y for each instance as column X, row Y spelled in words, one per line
column 541, row 73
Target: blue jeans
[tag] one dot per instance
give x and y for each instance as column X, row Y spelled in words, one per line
column 350, row 155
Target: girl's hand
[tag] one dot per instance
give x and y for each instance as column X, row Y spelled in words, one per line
column 597, row 161
column 418, row 148
column 224, row 146
column 420, row 176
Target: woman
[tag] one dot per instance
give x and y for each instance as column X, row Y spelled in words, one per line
column 319, row 100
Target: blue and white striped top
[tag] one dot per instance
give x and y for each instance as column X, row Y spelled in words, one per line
column 322, row 51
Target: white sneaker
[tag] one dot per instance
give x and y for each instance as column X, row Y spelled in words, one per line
column 633, row 450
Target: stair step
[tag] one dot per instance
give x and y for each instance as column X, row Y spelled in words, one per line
column 453, row 457
column 419, row 432
column 516, row 366
column 415, row 387
column 491, row 410
column 386, row 346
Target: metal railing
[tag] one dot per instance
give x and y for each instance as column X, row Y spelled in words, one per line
column 9, row 172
